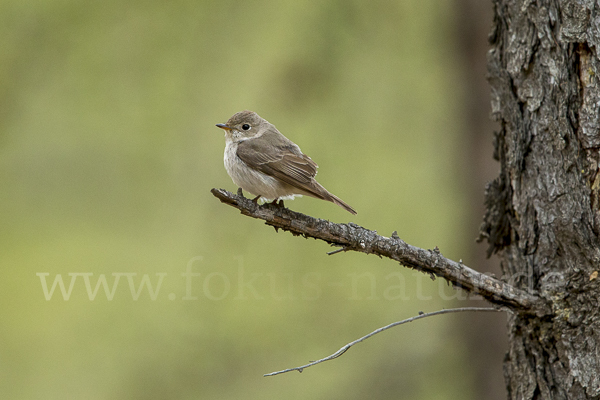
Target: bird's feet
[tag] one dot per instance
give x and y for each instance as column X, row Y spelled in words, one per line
column 280, row 204
column 255, row 200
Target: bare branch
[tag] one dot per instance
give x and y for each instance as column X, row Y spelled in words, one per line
column 356, row 238
column 376, row 331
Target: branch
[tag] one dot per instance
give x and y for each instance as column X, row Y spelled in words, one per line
column 376, row 331
column 356, row 238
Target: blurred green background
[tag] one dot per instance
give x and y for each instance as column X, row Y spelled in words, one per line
column 108, row 152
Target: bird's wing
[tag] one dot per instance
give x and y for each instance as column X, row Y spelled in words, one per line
column 279, row 158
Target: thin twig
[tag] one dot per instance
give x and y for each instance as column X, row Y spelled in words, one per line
column 330, row 253
column 353, row 237
column 376, row 331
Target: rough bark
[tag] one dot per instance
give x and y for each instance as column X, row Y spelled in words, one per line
column 542, row 217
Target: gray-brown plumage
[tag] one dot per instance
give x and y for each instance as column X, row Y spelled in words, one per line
column 265, row 163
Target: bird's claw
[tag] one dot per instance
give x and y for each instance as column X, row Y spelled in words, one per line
column 280, row 204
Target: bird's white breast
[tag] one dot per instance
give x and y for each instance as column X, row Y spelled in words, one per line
column 251, row 180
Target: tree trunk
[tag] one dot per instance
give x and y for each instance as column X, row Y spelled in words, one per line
column 542, row 213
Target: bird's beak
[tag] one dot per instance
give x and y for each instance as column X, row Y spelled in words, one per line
column 223, row 126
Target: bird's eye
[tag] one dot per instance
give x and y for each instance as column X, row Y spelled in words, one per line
column 246, row 127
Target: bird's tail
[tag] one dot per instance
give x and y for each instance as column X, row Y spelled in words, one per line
column 320, row 192
column 336, row 200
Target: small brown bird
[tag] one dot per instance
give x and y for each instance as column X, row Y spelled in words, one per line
column 260, row 160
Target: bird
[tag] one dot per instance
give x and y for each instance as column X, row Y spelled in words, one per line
column 263, row 162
